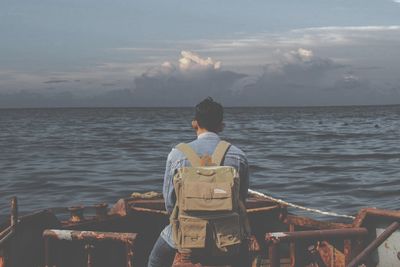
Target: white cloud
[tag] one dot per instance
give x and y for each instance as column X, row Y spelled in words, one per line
column 305, row 55
column 188, row 62
column 192, row 61
column 301, row 54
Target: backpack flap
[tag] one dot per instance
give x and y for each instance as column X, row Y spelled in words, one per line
column 203, row 196
column 227, row 231
column 193, row 232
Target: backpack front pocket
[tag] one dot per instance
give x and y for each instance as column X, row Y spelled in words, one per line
column 193, row 232
column 202, row 196
column 227, row 230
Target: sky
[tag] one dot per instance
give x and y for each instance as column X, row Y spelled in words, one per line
column 86, row 53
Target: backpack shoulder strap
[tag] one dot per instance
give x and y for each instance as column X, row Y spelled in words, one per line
column 219, row 153
column 191, row 155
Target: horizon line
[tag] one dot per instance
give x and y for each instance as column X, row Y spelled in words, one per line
column 184, row 107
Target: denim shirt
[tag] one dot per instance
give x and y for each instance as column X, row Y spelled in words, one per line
column 204, row 144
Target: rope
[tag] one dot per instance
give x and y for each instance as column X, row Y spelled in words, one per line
column 280, row 201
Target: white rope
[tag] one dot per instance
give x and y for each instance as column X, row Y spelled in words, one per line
column 280, row 201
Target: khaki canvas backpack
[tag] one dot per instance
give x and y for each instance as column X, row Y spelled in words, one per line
column 208, row 214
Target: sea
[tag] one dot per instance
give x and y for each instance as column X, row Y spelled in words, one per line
column 337, row 159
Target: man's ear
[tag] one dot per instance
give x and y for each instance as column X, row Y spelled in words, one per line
column 195, row 125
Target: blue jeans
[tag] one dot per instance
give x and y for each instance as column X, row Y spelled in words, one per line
column 162, row 255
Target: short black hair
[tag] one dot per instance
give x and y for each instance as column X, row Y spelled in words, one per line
column 209, row 114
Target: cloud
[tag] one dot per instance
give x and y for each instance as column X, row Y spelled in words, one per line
column 183, row 83
column 192, row 61
column 189, row 63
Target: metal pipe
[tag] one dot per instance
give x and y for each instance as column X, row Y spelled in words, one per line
column 317, row 234
column 292, row 248
column 374, row 244
column 46, row 252
column 89, row 248
column 129, row 254
column 273, row 254
column 6, row 237
column 6, row 231
column 14, row 211
column 89, row 235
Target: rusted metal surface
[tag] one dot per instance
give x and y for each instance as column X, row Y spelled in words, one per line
column 263, row 209
column 347, row 251
column 101, row 211
column 90, row 238
column 316, row 234
column 89, row 235
column 254, row 246
column 331, row 256
column 148, row 218
column 149, row 210
column 120, row 208
column 316, row 257
column 374, row 245
column 183, row 260
column 292, row 248
column 310, row 223
column 129, row 255
column 76, row 214
column 373, row 212
column 358, row 221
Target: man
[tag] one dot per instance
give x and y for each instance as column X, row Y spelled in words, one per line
column 208, row 122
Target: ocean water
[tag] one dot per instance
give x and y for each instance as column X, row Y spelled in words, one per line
column 333, row 158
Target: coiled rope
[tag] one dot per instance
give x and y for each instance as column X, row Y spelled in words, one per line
column 282, row 202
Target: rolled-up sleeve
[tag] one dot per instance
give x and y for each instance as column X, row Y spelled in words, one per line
column 168, row 187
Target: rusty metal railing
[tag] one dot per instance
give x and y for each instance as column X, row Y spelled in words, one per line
column 274, row 239
column 90, row 238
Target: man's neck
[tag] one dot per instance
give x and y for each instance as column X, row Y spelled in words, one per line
column 201, row 131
